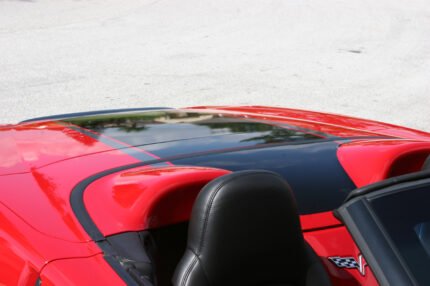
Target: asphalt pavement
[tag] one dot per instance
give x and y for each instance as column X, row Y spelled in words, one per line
column 362, row 58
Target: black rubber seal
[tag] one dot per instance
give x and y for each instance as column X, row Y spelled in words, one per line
column 387, row 183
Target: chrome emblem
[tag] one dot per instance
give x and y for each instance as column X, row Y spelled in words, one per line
column 350, row 263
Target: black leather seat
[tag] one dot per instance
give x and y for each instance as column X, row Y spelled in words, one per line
column 245, row 230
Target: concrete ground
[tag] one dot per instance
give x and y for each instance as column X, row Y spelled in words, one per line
column 358, row 57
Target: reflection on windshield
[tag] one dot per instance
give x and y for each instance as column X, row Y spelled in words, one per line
column 423, row 232
column 167, row 126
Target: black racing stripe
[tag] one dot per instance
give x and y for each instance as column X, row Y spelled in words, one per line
column 77, row 194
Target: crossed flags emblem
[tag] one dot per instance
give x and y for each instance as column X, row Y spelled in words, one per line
column 350, row 263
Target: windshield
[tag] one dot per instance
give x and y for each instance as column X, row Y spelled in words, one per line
column 405, row 216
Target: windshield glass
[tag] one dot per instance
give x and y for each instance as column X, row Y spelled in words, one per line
column 405, row 216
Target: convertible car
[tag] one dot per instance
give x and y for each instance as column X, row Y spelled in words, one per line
column 218, row 195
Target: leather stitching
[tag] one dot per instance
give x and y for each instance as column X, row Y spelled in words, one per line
column 189, row 269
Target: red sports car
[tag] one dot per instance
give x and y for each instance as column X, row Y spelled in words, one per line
column 218, row 195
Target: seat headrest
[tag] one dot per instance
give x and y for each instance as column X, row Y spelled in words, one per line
column 245, row 229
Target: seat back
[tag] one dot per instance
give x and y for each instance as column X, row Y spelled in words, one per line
column 245, row 230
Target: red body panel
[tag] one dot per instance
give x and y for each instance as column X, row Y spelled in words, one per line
column 25, row 250
column 337, row 242
column 141, row 198
column 43, row 163
column 373, row 161
column 45, row 205
column 33, row 146
column 85, row 271
column 318, row 221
